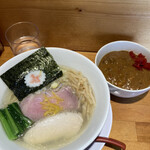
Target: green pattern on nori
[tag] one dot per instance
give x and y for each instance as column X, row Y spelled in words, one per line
column 39, row 60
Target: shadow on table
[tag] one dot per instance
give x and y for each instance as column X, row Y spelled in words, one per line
column 110, row 146
column 1, row 53
column 128, row 100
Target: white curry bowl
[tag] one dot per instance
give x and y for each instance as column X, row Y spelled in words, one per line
column 126, row 46
column 97, row 80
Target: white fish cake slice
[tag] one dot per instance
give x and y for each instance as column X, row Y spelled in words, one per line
column 63, row 125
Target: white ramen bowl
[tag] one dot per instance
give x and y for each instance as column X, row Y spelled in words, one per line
column 126, row 46
column 97, row 80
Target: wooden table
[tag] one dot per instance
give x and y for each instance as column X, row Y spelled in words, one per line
column 131, row 117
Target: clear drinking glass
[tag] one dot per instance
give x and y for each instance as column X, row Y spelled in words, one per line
column 22, row 36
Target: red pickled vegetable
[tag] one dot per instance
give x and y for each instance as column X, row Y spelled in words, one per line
column 132, row 54
column 140, row 61
column 147, row 66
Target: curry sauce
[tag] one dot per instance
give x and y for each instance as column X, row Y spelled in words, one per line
column 117, row 67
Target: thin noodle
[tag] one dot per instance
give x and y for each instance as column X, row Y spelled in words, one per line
column 83, row 89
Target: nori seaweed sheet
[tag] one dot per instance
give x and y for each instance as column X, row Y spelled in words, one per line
column 39, row 60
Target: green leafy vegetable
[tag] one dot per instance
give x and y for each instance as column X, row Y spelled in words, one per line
column 7, row 126
column 13, row 121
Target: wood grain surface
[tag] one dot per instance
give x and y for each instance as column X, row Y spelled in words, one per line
column 80, row 25
column 131, row 117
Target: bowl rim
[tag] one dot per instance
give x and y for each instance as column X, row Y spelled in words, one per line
column 122, row 41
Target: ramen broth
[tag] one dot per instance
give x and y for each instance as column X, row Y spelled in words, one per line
column 86, row 104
